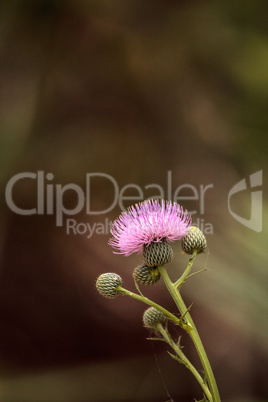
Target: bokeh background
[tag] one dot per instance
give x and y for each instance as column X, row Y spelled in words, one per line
column 132, row 89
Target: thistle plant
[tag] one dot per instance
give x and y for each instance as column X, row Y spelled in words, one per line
column 149, row 228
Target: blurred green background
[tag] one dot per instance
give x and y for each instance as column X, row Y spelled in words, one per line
column 134, row 90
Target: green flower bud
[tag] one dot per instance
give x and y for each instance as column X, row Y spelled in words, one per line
column 146, row 275
column 157, row 253
column 107, row 284
column 152, row 317
column 194, row 241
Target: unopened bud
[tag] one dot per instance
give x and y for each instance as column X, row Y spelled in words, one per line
column 107, row 284
column 152, row 317
column 194, row 241
column 146, row 275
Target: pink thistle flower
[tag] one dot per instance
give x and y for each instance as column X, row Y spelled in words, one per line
column 148, row 222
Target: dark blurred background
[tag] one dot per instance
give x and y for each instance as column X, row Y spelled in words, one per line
column 141, row 91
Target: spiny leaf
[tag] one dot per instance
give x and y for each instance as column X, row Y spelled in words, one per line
column 156, row 339
column 195, row 273
column 176, row 358
column 138, row 288
column 179, row 342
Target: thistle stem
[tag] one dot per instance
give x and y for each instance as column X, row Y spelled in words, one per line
column 184, row 360
column 174, row 292
column 145, row 300
column 185, row 274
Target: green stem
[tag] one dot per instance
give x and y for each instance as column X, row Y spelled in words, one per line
column 184, row 360
column 145, row 300
column 193, row 332
column 185, row 274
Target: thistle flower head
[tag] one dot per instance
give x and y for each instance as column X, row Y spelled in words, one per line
column 157, row 253
column 147, row 222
